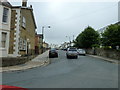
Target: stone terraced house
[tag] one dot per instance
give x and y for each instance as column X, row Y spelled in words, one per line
column 22, row 34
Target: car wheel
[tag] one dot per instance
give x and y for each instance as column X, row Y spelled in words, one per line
column 67, row 57
column 50, row 57
column 76, row 57
column 57, row 56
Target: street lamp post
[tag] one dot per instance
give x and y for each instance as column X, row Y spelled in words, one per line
column 73, row 37
column 69, row 40
column 43, row 27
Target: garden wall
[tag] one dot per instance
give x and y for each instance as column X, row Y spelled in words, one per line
column 11, row 61
column 109, row 53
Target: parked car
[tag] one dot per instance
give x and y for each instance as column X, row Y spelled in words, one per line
column 81, row 52
column 65, row 49
column 72, row 53
column 53, row 53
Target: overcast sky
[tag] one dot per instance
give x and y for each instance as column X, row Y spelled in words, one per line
column 70, row 18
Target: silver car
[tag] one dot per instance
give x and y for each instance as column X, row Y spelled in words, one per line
column 72, row 53
column 81, row 52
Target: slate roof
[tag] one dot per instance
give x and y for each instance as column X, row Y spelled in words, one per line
column 5, row 3
column 28, row 8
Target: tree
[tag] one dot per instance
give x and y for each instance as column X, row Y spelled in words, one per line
column 111, row 36
column 87, row 39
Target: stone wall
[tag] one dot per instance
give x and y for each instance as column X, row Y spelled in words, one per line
column 13, row 32
column 109, row 53
column 11, row 61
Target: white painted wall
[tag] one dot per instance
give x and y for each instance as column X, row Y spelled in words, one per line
column 4, row 27
column 119, row 11
column 1, row 11
column 0, row 44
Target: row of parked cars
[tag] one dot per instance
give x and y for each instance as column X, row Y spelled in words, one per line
column 70, row 52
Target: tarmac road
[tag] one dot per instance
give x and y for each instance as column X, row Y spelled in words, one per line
column 84, row 72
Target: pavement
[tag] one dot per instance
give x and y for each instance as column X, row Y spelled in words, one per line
column 43, row 60
column 106, row 59
column 40, row 60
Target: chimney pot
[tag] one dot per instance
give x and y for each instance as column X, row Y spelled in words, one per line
column 30, row 6
column 24, row 3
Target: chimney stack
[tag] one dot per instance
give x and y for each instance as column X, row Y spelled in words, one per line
column 24, row 3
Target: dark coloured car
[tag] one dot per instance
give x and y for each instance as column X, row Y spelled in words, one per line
column 53, row 53
column 64, row 49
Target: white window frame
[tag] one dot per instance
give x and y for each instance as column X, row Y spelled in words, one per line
column 5, row 15
column 22, row 44
column 4, row 40
column 23, row 22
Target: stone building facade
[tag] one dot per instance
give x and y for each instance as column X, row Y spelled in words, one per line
column 22, row 34
column 38, row 43
column 45, row 45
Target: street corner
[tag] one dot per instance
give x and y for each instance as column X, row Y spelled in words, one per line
column 28, row 65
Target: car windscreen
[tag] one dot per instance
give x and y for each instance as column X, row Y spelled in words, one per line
column 81, row 50
column 53, row 49
column 72, row 50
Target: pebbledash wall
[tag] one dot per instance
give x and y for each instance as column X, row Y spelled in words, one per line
column 4, row 28
column 109, row 53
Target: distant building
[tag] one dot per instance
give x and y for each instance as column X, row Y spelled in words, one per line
column 38, row 43
column 5, row 19
column 45, row 45
column 65, row 45
column 22, row 34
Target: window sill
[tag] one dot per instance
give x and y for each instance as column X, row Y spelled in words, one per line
column 2, row 48
column 24, row 27
column 5, row 23
column 22, row 50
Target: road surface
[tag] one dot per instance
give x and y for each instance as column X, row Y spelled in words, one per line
column 84, row 72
